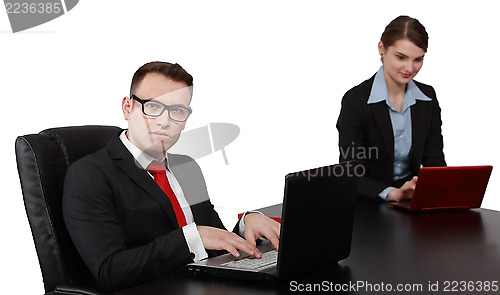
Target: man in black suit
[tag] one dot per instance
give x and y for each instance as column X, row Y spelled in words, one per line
column 125, row 226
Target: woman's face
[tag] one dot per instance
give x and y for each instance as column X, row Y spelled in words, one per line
column 402, row 61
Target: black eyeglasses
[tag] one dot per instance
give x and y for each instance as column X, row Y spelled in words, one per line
column 152, row 108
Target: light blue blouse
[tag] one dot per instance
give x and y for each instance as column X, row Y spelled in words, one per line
column 401, row 124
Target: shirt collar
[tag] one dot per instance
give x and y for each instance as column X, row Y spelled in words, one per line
column 142, row 158
column 379, row 92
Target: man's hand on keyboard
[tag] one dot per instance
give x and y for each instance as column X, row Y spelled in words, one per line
column 258, row 225
column 219, row 239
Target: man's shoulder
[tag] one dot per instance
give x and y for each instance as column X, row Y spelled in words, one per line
column 179, row 159
column 98, row 159
column 90, row 165
column 182, row 161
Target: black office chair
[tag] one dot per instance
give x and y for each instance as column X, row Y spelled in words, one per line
column 42, row 162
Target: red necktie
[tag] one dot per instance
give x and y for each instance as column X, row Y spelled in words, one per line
column 160, row 176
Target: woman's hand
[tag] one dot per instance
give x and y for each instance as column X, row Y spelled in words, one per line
column 403, row 193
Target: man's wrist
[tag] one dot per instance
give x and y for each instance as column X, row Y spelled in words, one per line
column 194, row 242
column 242, row 222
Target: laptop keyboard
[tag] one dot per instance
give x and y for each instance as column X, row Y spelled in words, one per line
column 269, row 259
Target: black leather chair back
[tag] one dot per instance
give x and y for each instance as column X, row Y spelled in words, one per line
column 42, row 162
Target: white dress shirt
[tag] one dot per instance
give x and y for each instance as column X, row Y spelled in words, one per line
column 191, row 234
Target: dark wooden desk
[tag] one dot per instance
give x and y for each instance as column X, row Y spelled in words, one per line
column 390, row 249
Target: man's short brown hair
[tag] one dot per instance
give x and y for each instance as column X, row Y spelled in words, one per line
column 169, row 70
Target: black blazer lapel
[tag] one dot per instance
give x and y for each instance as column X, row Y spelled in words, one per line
column 192, row 182
column 127, row 163
column 419, row 129
column 383, row 119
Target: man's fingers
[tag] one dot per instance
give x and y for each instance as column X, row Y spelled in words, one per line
column 238, row 243
column 276, row 238
column 251, row 236
column 218, row 239
column 232, row 250
column 246, row 247
column 271, row 233
column 275, row 241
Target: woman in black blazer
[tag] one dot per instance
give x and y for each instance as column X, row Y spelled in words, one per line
column 390, row 123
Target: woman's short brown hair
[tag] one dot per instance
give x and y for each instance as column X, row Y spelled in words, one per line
column 405, row 27
column 169, row 70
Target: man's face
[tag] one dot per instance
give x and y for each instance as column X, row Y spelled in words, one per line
column 155, row 135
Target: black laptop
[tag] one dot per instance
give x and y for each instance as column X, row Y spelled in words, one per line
column 316, row 228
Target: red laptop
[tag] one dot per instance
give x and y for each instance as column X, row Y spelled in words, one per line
column 448, row 188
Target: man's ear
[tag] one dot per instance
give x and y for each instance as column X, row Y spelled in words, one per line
column 126, row 107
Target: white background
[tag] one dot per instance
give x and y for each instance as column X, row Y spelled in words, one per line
column 277, row 69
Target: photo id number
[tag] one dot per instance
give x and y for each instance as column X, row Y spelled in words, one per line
column 33, row 8
column 470, row 286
